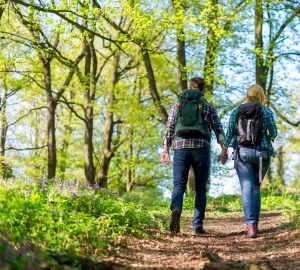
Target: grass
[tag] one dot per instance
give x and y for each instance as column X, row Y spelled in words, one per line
column 75, row 218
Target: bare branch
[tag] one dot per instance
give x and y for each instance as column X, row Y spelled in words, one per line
column 232, row 107
column 24, row 149
column 283, row 26
column 42, row 87
column 283, row 117
column 20, row 71
column 70, row 75
column 65, row 101
column 112, row 152
column 34, row 109
column 287, row 54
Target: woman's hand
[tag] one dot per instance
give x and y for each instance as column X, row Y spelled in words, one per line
column 224, row 156
column 223, row 160
column 165, row 158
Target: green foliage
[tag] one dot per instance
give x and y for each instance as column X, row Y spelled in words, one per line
column 219, row 205
column 18, row 258
column 233, row 203
column 69, row 216
column 76, row 218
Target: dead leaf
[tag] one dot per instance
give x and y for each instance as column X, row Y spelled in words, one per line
column 252, row 267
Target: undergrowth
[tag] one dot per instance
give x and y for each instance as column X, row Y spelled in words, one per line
column 70, row 216
column 76, row 218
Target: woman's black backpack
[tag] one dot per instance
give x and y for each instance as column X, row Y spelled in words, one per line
column 249, row 130
column 249, row 124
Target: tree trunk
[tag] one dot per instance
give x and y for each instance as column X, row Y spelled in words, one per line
column 52, row 162
column 261, row 77
column 89, row 167
column 108, row 132
column 3, row 135
column 182, row 79
column 65, row 145
column 153, row 90
column 280, row 167
column 182, row 83
column 129, row 174
column 2, row 8
column 269, row 89
column 51, row 105
column 212, row 43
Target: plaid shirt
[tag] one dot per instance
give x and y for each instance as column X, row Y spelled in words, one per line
column 211, row 120
column 269, row 130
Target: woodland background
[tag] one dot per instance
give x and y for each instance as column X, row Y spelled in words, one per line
column 86, row 86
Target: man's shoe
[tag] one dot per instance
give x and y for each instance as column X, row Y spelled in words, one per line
column 197, row 231
column 175, row 221
column 252, row 230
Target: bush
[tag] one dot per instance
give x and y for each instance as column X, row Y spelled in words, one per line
column 69, row 216
column 25, row 257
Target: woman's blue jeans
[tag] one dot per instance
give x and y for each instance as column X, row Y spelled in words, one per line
column 183, row 160
column 248, row 172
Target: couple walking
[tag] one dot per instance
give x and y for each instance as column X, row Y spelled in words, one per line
column 251, row 131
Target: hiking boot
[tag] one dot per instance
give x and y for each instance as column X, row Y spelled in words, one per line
column 252, row 230
column 175, row 221
column 197, row 231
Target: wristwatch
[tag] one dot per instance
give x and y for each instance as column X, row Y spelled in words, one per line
column 224, row 156
column 165, row 152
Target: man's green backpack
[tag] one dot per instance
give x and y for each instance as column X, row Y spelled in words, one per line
column 188, row 118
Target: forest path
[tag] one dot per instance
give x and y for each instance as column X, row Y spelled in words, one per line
column 277, row 247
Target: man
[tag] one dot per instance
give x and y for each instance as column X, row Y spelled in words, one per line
column 190, row 150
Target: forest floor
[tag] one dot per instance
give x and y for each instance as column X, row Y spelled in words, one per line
column 277, row 247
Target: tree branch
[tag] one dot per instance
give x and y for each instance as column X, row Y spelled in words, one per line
column 34, row 109
column 70, row 75
column 65, row 101
column 42, row 87
column 283, row 117
column 23, row 149
column 232, row 107
column 58, row 13
column 283, row 26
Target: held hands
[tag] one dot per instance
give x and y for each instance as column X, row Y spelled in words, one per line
column 223, row 159
column 165, row 158
column 224, row 156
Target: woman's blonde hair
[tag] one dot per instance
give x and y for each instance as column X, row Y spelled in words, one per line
column 255, row 93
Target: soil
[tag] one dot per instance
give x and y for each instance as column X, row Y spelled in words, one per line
column 225, row 246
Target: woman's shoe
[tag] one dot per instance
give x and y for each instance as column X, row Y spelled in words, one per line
column 252, row 230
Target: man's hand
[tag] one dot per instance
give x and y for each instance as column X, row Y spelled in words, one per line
column 223, row 160
column 165, row 158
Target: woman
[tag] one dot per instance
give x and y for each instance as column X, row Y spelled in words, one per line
column 252, row 154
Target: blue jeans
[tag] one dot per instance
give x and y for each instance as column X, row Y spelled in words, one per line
column 248, row 172
column 183, row 159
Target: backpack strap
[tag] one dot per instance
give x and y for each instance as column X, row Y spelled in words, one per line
column 260, row 159
column 260, row 165
column 236, row 154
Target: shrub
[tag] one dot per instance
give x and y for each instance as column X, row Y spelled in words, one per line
column 69, row 216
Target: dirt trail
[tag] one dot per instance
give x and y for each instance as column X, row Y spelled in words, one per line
column 277, row 247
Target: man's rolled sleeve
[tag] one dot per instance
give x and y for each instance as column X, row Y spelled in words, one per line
column 170, row 127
